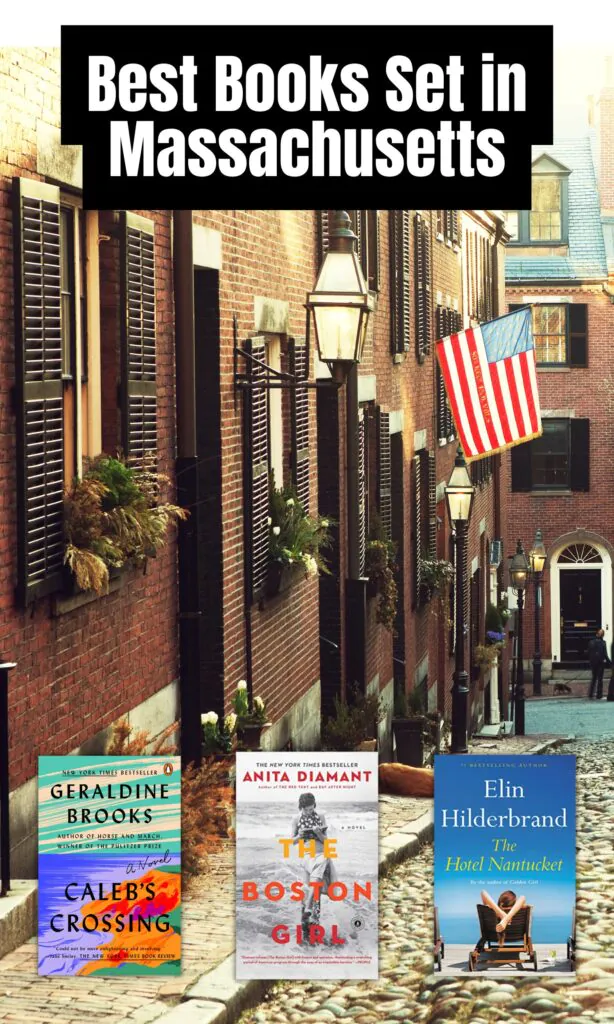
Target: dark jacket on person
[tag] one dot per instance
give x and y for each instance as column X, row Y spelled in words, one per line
column 598, row 652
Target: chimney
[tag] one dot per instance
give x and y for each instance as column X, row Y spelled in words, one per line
column 605, row 123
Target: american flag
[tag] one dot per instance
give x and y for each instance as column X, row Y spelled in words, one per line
column 490, row 378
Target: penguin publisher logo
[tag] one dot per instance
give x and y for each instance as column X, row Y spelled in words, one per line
column 168, row 768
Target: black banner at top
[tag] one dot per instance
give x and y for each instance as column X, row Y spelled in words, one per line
column 307, row 116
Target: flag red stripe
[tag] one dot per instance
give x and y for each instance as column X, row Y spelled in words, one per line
column 496, row 386
column 526, row 376
column 478, row 446
column 452, row 397
column 481, row 389
column 511, row 383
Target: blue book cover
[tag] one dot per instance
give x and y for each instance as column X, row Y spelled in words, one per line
column 505, row 863
column 109, row 865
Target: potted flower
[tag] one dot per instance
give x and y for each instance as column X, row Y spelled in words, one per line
column 296, row 541
column 218, row 738
column 435, row 574
column 354, row 725
column 250, row 724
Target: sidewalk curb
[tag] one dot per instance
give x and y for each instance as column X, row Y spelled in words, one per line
column 558, row 741
column 218, row 998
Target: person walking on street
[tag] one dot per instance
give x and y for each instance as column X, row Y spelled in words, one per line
column 598, row 658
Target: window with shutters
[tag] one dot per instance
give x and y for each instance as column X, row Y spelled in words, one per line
column 547, row 222
column 447, row 226
column 422, row 241
column 400, row 241
column 560, row 331
column 559, row 460
column 384, row 476
column 478, row 272
column 366, row 228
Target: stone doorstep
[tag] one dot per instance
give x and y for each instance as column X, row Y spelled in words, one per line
column 18, row 915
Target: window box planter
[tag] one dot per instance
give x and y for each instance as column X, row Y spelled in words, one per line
column 282, row 577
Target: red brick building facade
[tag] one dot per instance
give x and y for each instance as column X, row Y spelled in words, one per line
column 75, row 383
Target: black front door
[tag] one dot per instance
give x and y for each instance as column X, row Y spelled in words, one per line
column 580, row 611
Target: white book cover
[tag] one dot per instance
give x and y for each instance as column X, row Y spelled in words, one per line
column 307, row 865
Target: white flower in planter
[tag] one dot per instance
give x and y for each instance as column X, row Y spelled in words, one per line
column 270, row 521
column 242, row 685
column 259, row 703
column 230, row 722
column 324, row 523
column 290, row 502
column 310, row 564
column 209, row 718
column 276, row 531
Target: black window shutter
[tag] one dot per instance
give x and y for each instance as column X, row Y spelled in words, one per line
column 299, row 406
column 362, row 489
column 256, row 460
column 399, row 279
column 422, row 236
column 324, row 221
column 578, row 333
column 579, row 454
column 138, row 339
column 373, row 247
column 432, row 478
column 39, row 390
column 416, row 524
column 385, row 472
column 521, row 467
column 455, row 228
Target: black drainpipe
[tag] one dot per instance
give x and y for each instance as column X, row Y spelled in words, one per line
column 187, row 487
column 355, row 586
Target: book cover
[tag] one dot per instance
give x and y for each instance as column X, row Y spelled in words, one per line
column 505, row 863
column 307, row 865
column 109, row 863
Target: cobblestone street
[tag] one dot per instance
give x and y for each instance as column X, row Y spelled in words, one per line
column 409, row 991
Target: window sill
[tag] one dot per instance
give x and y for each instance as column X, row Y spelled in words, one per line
column 547, row 493
column 546, row 368
column 64, row 604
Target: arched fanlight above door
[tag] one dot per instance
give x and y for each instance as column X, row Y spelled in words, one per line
column 579, row 553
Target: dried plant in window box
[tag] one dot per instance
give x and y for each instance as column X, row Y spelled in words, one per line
column 113, row 517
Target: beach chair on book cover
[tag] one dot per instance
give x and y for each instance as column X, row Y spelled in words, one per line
column 513, row 946
column 438, row 943
column 571, row 942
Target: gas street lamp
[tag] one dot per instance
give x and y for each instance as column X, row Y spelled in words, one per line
column 340, row 301
column 459, row 500
column 519, row 571
column 537, row 558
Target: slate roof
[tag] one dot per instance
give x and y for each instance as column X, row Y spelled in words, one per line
column 587, row 255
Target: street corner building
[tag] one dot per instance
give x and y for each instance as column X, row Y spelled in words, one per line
column 182, row 338
column 560, row 260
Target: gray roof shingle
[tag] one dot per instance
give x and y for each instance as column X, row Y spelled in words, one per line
column 587, row 256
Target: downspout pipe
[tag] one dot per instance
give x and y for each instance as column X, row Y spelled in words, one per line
column 187, row 487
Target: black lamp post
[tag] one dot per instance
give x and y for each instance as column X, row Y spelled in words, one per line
column 459, row 499
column 537, row 558
column 519, row 570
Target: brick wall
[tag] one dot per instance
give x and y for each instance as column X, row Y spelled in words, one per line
column 79, row 671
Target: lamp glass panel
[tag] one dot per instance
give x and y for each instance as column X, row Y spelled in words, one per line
column 341, row 273
column 459, row 504
column 337, row 330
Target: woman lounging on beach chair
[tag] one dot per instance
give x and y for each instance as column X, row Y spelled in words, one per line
column 505, row 932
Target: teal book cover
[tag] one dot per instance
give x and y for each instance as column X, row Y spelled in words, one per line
column 505, row 863
column 109, row 862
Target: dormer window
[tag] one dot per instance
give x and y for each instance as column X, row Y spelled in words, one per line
column 545, row 224
column 545, row 216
